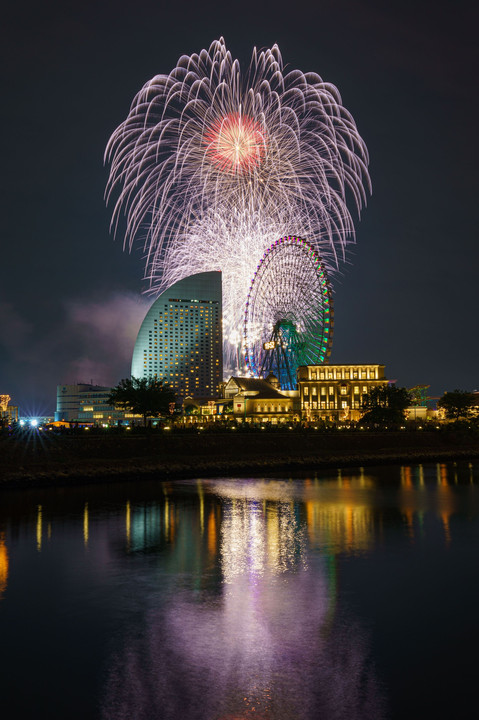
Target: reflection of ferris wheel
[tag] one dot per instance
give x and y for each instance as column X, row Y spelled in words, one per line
column 289, row 312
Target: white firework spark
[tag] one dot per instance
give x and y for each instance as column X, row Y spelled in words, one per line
column 211, row 166
column 233, row 243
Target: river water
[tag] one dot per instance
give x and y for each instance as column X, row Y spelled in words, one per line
column 346, row 594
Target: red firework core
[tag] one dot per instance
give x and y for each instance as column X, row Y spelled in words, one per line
column 235, row 143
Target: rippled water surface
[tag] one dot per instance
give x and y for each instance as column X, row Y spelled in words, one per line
column 350, row 594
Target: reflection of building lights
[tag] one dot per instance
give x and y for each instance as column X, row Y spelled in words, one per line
column 421, row 475
column 338, row 515
column 441, row 474
column 85, row 524
column 339, row 526
column 39, row 527
column 445, row 523
column 415, row 501
column 255, row 539
column 273, row 541
column 212, row 535
column 243, row 629
column 128, row 524
column 202, row 506
column 167, row 518
column 445, row 498
column 3, row 565
column 406, row 477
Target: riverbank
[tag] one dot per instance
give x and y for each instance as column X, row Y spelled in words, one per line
column 42, row 459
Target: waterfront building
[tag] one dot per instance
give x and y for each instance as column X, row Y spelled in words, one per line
column 180, row 340
column 419, row 413
column 88, row 404
column 202, row 409
column 334, row 392
column 245, row 399
column 258, row 400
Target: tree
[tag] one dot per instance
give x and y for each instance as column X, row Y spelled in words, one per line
column 191, row 409
column 458, row 404
column 385, row 405
column 143, row 396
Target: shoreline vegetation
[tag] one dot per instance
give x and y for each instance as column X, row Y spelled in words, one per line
column 36, row 459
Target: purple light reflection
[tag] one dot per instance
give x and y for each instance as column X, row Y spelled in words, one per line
column 267, row 645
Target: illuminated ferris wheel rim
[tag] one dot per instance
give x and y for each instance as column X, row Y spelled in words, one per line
column 316, row 320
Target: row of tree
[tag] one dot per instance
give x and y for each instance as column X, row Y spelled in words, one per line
column 148, row 397
column 384, row 405
column 387, row 405
column 459, row 405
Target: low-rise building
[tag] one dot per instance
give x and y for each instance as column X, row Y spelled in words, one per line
column 418, row 412
column 88, row 404
column 335, row 392
column 8, row 413
column 202, row 409
column 258, row 400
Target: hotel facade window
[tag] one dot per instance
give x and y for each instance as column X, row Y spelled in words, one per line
column 338, row 390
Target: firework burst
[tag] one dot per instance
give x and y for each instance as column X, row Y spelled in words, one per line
column 211, row 166
column 205, row 137
column 235, row 144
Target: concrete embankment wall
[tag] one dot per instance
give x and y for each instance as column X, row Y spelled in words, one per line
column 52, row 459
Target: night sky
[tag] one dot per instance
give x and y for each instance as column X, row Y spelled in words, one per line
column 71, row 300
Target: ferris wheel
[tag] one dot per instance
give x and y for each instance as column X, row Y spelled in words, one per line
column 288, row 318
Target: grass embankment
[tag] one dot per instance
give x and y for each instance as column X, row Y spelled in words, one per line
column 42, row 459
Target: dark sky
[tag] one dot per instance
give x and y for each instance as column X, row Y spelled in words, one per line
column 70, row 298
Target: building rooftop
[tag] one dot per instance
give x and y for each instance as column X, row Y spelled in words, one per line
column 261, row 388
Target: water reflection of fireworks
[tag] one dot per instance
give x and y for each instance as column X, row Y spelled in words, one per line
column 266, row 647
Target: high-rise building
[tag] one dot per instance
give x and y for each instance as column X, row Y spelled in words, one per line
column 180, row 340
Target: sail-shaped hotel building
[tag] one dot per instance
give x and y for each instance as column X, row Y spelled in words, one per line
column 180, row 340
